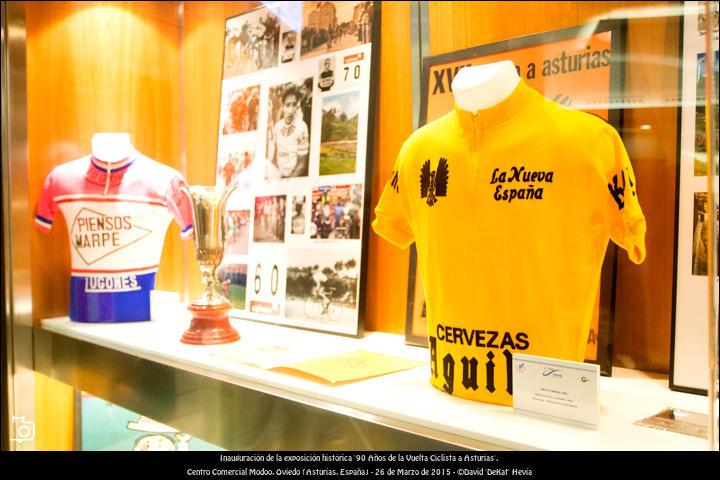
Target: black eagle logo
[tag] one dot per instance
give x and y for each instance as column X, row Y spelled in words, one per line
column 434, row 184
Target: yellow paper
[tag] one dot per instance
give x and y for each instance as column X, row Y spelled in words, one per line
column 355, row 365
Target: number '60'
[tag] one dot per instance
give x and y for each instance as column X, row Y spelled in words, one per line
column 274, row 278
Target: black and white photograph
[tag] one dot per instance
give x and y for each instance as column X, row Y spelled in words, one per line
column 241, row 110
column 233, row 283
column 322, row 286
column 287, row 47
column 326, row 74
column 252, row 41
column 336, row 212
column 237, row 232
column 269, row 223
column 297, row 224
column 339, row 134
column 288, row 134
column 702, row 24
column 232, row 164
column 332, row 26
column 701, row 233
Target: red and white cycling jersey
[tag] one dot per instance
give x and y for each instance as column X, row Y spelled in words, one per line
column 117, row 227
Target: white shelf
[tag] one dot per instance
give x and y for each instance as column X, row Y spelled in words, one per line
column 406, row 399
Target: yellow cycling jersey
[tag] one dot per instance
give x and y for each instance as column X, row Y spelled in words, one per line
column 511, row 210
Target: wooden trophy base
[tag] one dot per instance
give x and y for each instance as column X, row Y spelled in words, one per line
column 210, row 326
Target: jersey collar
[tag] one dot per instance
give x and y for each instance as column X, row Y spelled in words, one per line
column 498, row 113
column 98, row 170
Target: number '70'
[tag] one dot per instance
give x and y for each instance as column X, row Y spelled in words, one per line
column 356, row 72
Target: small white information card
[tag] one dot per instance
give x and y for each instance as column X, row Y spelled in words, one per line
column 556, row 389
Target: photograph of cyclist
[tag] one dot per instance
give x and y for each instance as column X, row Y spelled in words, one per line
column 336, row 212
column 319, row 289
column 326, row 77
column 289, row 121
column 322, row 286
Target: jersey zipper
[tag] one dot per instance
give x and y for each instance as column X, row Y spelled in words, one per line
column 108, row 172
column 474, row 155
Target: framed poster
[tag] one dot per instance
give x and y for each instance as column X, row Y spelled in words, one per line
column 689, row 344
column 579, row 69
column 295, row 137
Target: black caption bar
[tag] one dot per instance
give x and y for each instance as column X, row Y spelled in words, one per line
column 469, row 464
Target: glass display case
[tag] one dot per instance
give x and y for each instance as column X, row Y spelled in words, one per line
column 313, row 113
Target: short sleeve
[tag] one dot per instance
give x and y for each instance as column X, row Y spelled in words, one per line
column 179, row 205
column 391, row 217
column 619, row 199
column 46, row 206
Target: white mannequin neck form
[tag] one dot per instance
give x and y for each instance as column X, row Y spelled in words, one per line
column 482, row 86
column 111, row 147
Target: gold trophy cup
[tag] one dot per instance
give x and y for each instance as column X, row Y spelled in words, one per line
column 210, row 324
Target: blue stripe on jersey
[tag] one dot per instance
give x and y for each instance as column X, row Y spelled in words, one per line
column 102, row 299
column 112, row 170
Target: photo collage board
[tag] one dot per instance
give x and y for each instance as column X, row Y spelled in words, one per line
column 293, row 138
column 690, row 345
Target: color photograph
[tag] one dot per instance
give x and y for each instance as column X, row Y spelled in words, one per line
column 338, row 147
column 241, row 110
column 233, row 284
column 237, row 232
column 336, row 212
column 232, row 164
